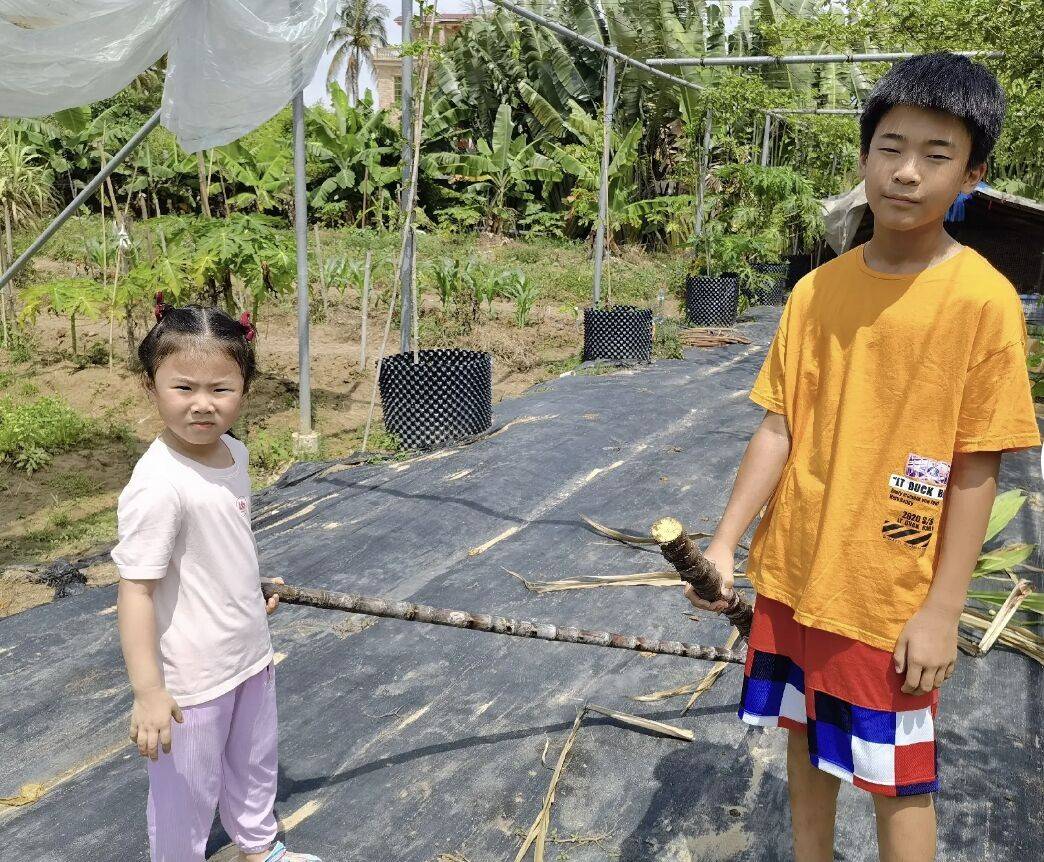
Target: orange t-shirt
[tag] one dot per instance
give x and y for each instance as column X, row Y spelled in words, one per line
column 881, row 378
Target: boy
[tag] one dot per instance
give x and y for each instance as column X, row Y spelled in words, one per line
column 895, row 380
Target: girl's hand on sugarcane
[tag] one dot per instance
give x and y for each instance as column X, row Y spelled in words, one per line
column 272, row 603
column 150, row 721
column 724, row 560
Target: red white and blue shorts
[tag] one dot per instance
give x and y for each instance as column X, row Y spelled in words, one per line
column 846, row 695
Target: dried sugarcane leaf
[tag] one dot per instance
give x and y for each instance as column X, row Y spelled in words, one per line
column 1014, row 637
column 664, row 694
column 644, row 723
column 587, row 582
column 537, row 834
column 1007, row 610
column 1005, row 507
column 1004, row 558
column 713, row 674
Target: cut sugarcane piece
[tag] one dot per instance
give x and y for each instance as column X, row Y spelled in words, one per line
column 379, row 607
column 699, row 572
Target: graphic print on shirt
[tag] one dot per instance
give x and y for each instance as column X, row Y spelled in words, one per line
column 915, row 500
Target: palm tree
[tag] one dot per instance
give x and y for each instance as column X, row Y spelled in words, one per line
column 361, row 30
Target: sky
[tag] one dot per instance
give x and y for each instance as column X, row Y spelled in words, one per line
column 316, row 91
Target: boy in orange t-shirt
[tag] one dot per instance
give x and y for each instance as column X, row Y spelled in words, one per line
column 896, row 379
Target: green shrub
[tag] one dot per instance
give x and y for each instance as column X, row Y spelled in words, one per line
column 271, row 451
column 30, row 433
column 667, row 341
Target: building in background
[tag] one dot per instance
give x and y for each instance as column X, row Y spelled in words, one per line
column 388, row 64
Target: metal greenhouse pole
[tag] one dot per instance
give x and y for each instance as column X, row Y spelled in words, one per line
column 796, row 59
column 406, row 272
column 603, row 179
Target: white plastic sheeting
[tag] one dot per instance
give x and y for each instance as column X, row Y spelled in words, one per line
column 231, row 64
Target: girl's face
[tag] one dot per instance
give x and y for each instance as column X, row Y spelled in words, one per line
column 198, row 395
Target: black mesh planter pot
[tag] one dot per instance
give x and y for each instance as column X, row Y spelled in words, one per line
column 712, row 300
column 620, row 334
column 800, row 266
column 775, row 292
column 446, row 396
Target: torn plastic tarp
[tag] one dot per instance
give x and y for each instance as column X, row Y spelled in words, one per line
column 231, row 64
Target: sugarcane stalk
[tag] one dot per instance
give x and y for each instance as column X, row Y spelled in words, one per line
column 379, row 607
column 699, row 572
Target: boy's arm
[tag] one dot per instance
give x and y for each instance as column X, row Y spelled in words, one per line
column 757, row 478
column 927, row 648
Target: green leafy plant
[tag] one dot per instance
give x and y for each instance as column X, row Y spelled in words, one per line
column 499, row 167
column 443, row 274
column 31, row 432
column 523, row 293
column 75, row 297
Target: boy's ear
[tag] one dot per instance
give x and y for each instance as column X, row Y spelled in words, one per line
column 973, row 177
column 862, row 165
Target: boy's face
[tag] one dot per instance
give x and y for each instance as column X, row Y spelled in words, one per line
column 915, row 167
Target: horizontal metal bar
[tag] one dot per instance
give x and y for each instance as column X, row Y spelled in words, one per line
column 566, row 33
column 78, row 201
column 797, row 59
column 841, row 111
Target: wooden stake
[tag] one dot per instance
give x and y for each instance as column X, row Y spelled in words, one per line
column 367, row 270
column 699, row 572
column 322, row 273
column 380, row 607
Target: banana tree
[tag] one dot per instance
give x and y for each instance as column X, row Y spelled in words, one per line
column 349, row 143
column 500, row 167
column 264, row 174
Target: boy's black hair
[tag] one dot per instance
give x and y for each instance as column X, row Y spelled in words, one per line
column 189, row 328
column 942, row 82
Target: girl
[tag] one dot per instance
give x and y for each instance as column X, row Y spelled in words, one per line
column 191, row 614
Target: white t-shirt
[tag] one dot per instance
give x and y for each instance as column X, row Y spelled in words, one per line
column 188, row 526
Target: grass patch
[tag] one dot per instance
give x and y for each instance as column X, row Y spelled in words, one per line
column 32, row 432
column 72, row 486
column 62, row 537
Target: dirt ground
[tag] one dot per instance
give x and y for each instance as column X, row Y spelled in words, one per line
column 67, row 509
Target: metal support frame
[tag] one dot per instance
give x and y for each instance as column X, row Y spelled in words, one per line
column 566, row 33
column 406, row 272
column 603, row 179
column 80, row 199
column 832, row 111
column 797, row 59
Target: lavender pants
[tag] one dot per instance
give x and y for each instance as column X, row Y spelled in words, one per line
column 224, row 756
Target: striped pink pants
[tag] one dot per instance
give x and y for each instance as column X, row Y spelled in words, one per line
column 225, row 756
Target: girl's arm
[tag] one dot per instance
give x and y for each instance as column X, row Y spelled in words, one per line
column 759, row 474
column 927, row 648
column 153, row 705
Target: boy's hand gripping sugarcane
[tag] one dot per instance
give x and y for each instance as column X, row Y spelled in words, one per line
column 699, row 572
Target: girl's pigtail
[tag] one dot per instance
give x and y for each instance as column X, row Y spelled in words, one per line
column 161, row 308
column 249, row 332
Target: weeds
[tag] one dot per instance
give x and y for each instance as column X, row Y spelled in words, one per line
column 31, row 433
column 667, row 340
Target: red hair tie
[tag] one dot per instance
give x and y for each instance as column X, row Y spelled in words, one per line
column 160, row 308
column 249, row 331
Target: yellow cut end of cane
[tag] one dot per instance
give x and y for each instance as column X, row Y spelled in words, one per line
column 667, row 530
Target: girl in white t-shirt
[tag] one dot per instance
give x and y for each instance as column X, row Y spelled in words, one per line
column 192, row 617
